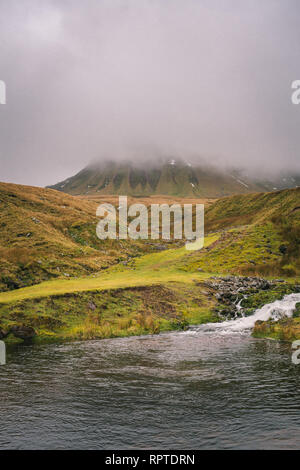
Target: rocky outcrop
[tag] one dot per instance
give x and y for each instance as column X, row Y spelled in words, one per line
column 233, row 285
column 231, row 290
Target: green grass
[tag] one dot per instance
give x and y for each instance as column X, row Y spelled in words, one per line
column 257, row 208
column 156, row 268
column 150, row 295
column 244, row 250
column 110, row 313
column 286, row 329
column 282, row 330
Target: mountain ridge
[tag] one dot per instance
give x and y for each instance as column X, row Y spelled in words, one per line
column 171, row 177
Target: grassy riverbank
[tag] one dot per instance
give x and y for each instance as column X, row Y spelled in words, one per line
column 287, row 329
column 149, row 295
column 58, row 278
column 282, row 330
column 112, row 313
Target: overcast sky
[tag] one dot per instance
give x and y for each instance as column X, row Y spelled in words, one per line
column 138, row 78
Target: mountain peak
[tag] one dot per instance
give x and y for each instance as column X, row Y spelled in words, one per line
column 170, row 176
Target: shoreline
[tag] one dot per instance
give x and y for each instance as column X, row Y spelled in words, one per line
column 136, row 311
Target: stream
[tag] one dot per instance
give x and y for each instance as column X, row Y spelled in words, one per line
column 211, row 387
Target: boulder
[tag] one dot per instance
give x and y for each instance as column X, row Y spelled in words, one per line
column 91, row 306
column 23, row 332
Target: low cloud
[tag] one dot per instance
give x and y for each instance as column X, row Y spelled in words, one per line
column 141, row 79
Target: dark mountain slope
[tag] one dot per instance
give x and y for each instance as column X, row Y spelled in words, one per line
column 174, row 178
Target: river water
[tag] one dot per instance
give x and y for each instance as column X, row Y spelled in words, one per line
column 212, row 387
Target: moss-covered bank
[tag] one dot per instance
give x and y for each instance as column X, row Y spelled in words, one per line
column 112, row 313
column 287, row 329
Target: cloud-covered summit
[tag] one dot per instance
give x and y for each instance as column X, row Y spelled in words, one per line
column 139, row 78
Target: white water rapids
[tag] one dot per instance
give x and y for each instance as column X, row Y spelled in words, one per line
column 275, row 311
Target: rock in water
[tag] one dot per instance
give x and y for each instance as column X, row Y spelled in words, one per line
column 23, row 332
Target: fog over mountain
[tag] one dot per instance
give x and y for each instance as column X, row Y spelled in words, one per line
column 142, row 79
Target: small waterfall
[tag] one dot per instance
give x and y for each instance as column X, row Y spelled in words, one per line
column 276, row 310
column 239, row 305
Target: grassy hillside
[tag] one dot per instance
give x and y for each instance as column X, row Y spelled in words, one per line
column 254, row 208
column 261, row 234
column 46, row 235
